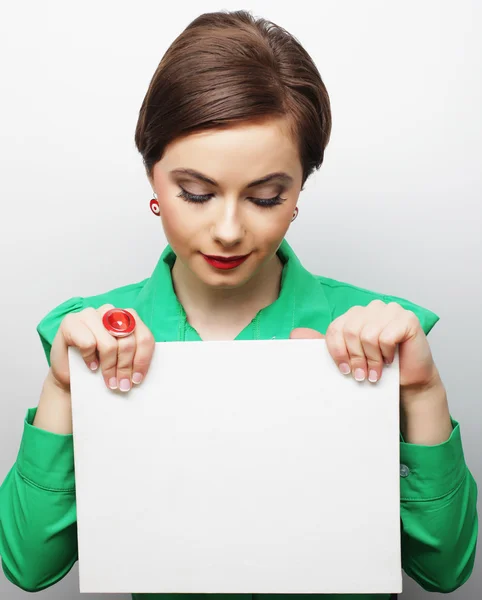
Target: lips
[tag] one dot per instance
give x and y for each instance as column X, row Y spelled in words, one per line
column 225, row 262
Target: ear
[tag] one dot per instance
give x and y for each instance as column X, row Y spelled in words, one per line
column 304, row 333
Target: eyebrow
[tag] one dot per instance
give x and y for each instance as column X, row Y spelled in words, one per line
column 280, row 175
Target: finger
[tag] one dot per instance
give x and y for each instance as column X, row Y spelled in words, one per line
column 335, row 342
column 378, row 351
column 351, row 333
column 107, row 346
column 76, row 333
column 144, row 349
column 369, row 338
column 304, row 333
column 396, row 331
column 126, row 349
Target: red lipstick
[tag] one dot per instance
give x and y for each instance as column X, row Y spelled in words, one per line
column 225, row 262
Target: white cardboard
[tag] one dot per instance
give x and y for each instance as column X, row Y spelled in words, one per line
column 238, row 467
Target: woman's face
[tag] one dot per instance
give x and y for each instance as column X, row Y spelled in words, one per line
column 231, row 215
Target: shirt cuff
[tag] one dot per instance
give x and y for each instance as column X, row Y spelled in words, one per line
column 429, row 472
column 46, row 459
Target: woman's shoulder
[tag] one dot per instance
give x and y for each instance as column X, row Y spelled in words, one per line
column 122, row 297
column 342, row 295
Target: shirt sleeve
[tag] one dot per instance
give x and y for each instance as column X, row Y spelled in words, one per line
column 438, row 494
column 38, row 530
column 438, row 502
column 438, row 505
column 38, row 520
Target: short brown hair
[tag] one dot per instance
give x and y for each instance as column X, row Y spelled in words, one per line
column 226, row 68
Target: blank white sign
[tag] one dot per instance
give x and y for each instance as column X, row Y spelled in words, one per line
column 238, row 467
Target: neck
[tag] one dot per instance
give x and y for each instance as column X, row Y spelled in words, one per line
column 205, row 305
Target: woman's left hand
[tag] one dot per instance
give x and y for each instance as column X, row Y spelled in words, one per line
column 366, row 336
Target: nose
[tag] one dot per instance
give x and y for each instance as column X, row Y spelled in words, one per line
column 228, row 228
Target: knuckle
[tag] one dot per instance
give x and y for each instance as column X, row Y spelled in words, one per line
column 107, row 348
column 353, row 310
column 124, row 363
column 141, row 364
column 386, row 338
column 146, row 339
column 338, row 355
column 337, row 350
column 377, row 365
column 333, row 328
column 350, row 333
column 370, row 335
column 105, row 306
column 412, row 318
column 127, row 345
column 68, row 320
column 377, row 302
column 89, row 345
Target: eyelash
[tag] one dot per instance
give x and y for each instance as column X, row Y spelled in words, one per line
column 200, row 199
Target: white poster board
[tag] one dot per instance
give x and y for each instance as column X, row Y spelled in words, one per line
column 238, row 467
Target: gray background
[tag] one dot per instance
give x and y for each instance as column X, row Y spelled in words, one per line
column 396, row 207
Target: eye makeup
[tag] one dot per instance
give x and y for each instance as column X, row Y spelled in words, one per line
column 202, row 198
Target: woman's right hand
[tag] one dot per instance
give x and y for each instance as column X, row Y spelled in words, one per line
column 119, row 358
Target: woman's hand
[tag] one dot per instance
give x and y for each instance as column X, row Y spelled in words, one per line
column 365, row 337
column 119, row 358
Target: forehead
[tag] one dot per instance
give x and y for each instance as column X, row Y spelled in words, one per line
column 254, row 147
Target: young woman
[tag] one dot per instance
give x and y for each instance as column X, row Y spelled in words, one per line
column 235, row 120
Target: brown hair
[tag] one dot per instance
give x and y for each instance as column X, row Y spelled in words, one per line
column 228, row 68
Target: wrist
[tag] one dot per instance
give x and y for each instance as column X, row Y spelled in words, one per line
column 54, row 412
column 424, row 415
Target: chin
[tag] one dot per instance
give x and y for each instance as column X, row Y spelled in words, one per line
column 224, row 281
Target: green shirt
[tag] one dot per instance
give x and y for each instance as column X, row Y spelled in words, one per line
column 38, row 532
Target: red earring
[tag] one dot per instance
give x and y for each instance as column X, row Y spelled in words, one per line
column 295, row 214
column 155, row 206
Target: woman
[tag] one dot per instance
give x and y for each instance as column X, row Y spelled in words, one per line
column 227, row 163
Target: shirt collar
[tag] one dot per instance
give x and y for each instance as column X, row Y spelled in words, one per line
column 301, row 302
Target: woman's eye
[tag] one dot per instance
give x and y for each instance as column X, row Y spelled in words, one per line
column 268, row 202
column 201, row 198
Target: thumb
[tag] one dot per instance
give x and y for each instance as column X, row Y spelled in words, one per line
column 304, row 333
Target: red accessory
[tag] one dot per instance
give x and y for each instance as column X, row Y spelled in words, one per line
column 295, row 214
column 119, row 322
column 155, row 207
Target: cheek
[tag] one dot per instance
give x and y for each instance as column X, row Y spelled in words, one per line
column 271, row 227
column 179, row 223
column 172, row 221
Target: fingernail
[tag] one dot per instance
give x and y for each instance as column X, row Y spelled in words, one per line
column 113, row 383
column 125, row 385
column 345, row 368
column 137, row 378
column 372, row 376
column 93, row 365
column 359, row 374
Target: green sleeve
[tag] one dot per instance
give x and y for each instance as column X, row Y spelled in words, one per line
column 438, row 505
column 38, row 530
column 438, row 494
column 438, row 502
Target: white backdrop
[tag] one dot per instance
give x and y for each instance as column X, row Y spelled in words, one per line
column 396, row 206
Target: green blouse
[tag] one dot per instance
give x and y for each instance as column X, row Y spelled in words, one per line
column 38, row 533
